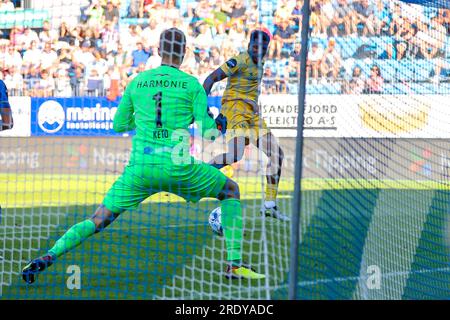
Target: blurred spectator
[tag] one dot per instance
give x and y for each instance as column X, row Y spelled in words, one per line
column 374, row 83
column 32, row 57
column 328, row 11
column 365, row 15
column 357, row 82
column 49, row 58
column 154, row 60
column 136, row 9
column 64, row 57
column 293, row 69
column 268, row 84
column 140, row 55
column 130, row 39
column 6, row 5
column 402, row 42
column 16, row 35
column 216, row 59
column 14, row 80
column 342, row 23
column 220, row 35
column 147, row 7
column 314, row 59
column 441, row 69
column 95, row 15
column 226, row 6
column 111, row 13
column 122, row 59
column 204, row 39
column 140, row 68
column 110, row 37
column 203, row 58
column 62, row 84
column 283, row 39
column 77, row 80
column 383, row 17
column 13, row 58
column 283, row 11
column 112, row 83
column 32, row 79
column 252, row 15
column 443, row 17
column 189, row 62
column 48, row 34
column 46, row 85
column 170, row 12
column 64, row 33
column 238, row 36
column 28, row 36
column 296, row 15
column 331, row 60
column 296, row 52
column 150, row 34
column 238, row 11
column 430, row 40
column 315, row 18
column 396, row 18
column 94, row 83
column 99, row 64
column 203, row 10
column 85, row 57
column 3, row 50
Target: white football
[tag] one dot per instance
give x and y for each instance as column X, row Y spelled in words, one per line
column 215, row 221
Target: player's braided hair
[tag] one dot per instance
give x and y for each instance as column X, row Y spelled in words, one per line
column 255, row 35
column 172, row 44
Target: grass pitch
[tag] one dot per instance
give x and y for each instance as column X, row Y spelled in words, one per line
column 166, row 250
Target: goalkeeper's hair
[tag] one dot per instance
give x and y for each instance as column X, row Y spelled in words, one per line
column 172, row 46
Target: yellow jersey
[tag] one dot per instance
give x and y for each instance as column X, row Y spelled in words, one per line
column 244, row 78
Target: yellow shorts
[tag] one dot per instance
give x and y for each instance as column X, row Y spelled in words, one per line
column 242, row 121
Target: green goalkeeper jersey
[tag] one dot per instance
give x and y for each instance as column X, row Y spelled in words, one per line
column 161, row 104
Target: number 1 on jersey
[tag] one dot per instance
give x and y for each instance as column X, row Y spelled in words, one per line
column 158, row 98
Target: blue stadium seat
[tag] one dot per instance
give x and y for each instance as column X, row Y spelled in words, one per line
column 406, row 70
column 447, row 47
column 423, row 69
column 365, row 66
column 267, row 7
column 381, row 44
column 349, row 45
column 329, row 88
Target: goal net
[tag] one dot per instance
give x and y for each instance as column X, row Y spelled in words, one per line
column 67, row 65
column 374, row 192
column 374, row 219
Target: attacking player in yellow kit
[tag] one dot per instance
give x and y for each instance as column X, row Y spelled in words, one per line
column 245, row 125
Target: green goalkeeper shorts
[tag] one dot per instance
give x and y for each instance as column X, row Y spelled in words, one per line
column 192, row 182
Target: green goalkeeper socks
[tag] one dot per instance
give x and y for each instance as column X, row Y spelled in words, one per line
column 73, row 237
column 232, row 228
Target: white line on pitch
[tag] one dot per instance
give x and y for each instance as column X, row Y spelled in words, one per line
column 327, row 280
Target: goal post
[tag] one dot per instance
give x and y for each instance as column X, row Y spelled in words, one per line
column 374, row 189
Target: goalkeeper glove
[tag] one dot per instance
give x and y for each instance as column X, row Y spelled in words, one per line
column 221, row 122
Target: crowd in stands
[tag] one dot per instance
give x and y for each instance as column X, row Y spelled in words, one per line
column 101, row 53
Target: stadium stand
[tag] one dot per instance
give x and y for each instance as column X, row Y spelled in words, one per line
column 105, row 35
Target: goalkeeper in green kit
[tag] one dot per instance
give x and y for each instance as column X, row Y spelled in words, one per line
column 160, row 104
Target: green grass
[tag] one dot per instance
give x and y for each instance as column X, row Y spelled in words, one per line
column 131, row 259
column 154, row 252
